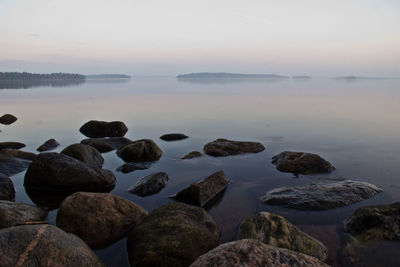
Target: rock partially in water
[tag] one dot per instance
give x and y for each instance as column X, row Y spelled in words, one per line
column 150, row 184
column 173, row 137
column 250, row 252
column 104, row 145
column 201, row 192
column 174, row 235
column 56, row 171
column 7, row 191
column 140, row 150
column 13, row 213
column 48, row 145
column 133, row 166
column 301, row 163
column 85, row 153
column 43, row 245
column 8, row 119
column 380, row 222
column 99, row 219
column 321, row 196
column 10, row 165
column 18, row 153
column 14, row 145
column 276, row 231
column 96, row 129
column 224, row 147
column 193, row 154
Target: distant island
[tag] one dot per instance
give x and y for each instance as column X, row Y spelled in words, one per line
column 108, row 76
column 302, row 77
column 359, row 78
column 224, row 75
column 26, row 76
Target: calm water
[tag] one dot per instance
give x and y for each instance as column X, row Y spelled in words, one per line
column 353, row 124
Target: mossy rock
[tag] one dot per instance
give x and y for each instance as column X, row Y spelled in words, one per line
column 140, row 150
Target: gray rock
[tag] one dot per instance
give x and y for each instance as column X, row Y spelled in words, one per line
column 99, row 219
column 133, row 166
column 172, row 235
column 224, row 147
column 150, row 184
column 48, row 145
column 13, row 213
column 85, row 153
column 104, row 145
column 8, row 119
column 140, row 150
column 250, row 252
column 321, row 196
column 11, row 165
column 18, row 153
column 96, row 129
column 43, row 245
column 173, row 137
column 7, row 191
column 193, row 154
column 14, row 145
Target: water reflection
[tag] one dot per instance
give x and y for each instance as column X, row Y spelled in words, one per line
column 26, row 84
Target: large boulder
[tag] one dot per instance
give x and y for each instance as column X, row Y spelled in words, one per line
column 43, row 245
column 172, row 235
column 150, row 184
column 85, row 153
column 18, row 153
column 96, row 129
column 14, row 145
column 250, row 252
column 56, row 171
column 223, row 147
column 375, row 222
column 8, row 119
column 173, row 137
column 99, row 219
column 140, row 150
column 10, row 165
column 13, row 214
column 7, row 191
column 48, row 145
column 104, row 145
column 201, row 192
column 276, row 231
column 301, row 163
column 321, row 196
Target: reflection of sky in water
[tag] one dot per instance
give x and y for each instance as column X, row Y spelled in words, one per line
column 354, row 125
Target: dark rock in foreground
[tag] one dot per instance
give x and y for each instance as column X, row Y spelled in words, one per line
column 13, row 213
column 10, row 165
column 96, row 129
column 7, row 191
column 375, row 222
column 276, row 231
column 173, row 137
column 14, row 145
column 18, row 153
column 224, row 147
column 321, row 196
column 193, row 154
column 172, row 235
column 200, row 193
column 140, row 150
column 149, row 185
column 48, row 145
column 133, row 166
column 8, row 119
column 104, row 145
column 85, row 153
column 301, row 163
column 99, row 219
column 250, row 252
column 43, row 245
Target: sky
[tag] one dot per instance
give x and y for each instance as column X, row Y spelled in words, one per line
column 155, row 37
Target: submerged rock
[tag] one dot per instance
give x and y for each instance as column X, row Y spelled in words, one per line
column 140, row 150
column 193, row 154
column 7, row 191
column 250, row 252
column 85, row 153
column 133, row 166
column 174, row 235
column 11, row 165
column 201, row 192
column 173, row 137
column 224, row 147
column 43, row 245
column 18, row 153
column 104, row 145
column 8, row 119
column 375, row 222
column 95, row 129
column 48, row 145
column 99, row 219
column 14, row 145
column 150, row 184
column 13, row 214
column 321, row 196
column 276, row 231
column 301, row 163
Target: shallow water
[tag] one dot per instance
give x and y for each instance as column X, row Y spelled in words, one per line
column 353, row 124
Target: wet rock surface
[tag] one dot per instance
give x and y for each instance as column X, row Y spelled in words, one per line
column 274, row 230
column 250, row 252
column 104, row 145
column 43, row 245
column 96, row 129
column 133, row 166
column 13, row 213
column 48, row 145
column 150, row 184
column 173, row 137
column 11, row 165
column 14, row 145
column 193, row 154
column 174, row 235
column 321, row 196
column 7, row 191
column 140, row 150
column 8, row 119
column 99, row 219
column 85, row 153
column 223, row 147
column 18, row 153
column 201, row 192
column 301, row 163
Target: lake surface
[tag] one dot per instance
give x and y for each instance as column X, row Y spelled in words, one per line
column 353, row 124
